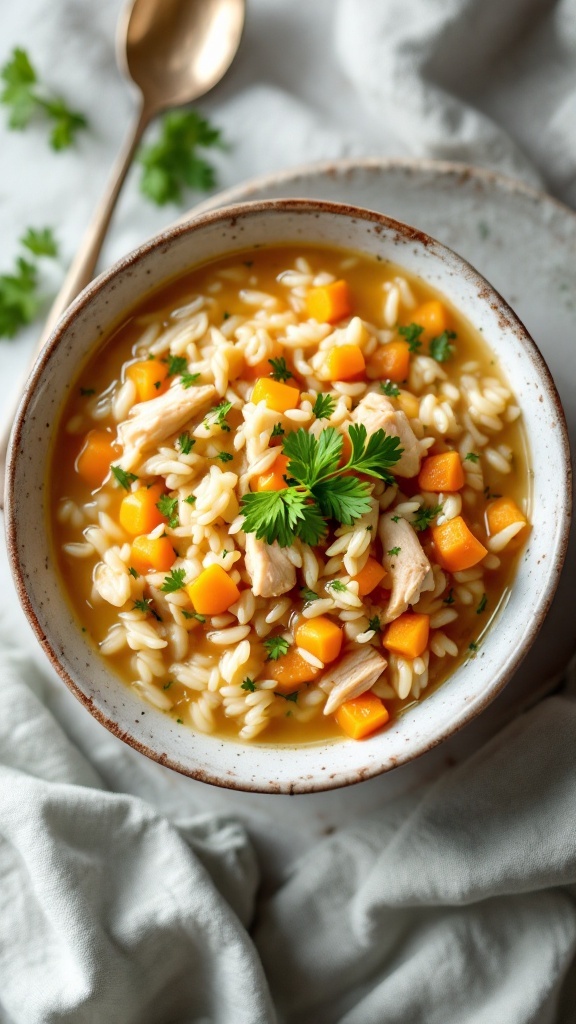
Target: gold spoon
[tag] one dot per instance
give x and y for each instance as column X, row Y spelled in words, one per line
column 174, row 51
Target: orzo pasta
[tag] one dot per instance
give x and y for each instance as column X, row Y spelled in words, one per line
column 289, row 494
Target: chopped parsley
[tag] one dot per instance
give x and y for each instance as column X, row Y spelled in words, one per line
column 191, row 499
column 472, row 646
column 193, row 615
column 277, row 430
column 394, row 551
column 482, row 605
column 324, row 406
column 374, row 623
column 173, row 162
column 338, row 586
column 471, row 457
column 123, row 478
column 322, row 490
column 248, row 684
column 280, row 370
column 188, row 379
column 450, row 599
column 424, row 516
column 396, row 519
column 440, row 348
column 168, row 684
column 276, row 646
column 26, row 98
column 387, row 387
column 173, row 582
column 287, row 696
column 146, row 606
column 224, row 456
column 217, row 416
column 169, row 508
column 226, row 315
column 308, row 595
column 185, row 443
column 411, row 333
column 133, row 572
column 176, row 365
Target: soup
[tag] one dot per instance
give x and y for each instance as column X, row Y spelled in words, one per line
column 288, row 495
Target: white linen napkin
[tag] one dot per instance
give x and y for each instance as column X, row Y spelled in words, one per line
column 120, row 898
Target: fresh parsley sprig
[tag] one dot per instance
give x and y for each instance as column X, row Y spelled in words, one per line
column 279, row 369
column 440, row 348
column 324, row 406
column 173, row 163
column 19, row 290
column 26, row 98
column 424, row 515
column 318, row 487
column 411, row 333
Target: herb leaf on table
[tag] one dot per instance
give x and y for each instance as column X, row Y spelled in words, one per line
column 173, row 162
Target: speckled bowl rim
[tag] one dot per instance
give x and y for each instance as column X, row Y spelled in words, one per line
column 228, row 214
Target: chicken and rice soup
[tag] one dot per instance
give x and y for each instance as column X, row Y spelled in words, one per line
column 289, row 494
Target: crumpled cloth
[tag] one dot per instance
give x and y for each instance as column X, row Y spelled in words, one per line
column 121, row 902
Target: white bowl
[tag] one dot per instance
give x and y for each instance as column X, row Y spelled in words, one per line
column 474, row 683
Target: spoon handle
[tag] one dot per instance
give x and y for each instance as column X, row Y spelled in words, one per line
column 83, row 265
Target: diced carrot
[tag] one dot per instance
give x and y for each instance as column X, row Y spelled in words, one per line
column 390, row 362
column 278, row 396
column 456, row 546
column 96, row 456
column 263, row 368
column 407, row 635
column 369, row 577
column 502, row 513
column 432, row 317
column 290, row 671
column 362, row 715
column 342, row 362
column 273, row 478
column 212, row 592
column 329, row 303
column 441, row 473
column 320, row 636
column 152, row 553
column 138, row 511
column 409, row 404
column 150, row 377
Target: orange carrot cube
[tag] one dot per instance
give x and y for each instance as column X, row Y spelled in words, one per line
column 150, row 377
column 390, row 362
column 329, row 303
column 456, row 546
column 442, row 472
column 342, row 363
column 407, row 635
column 138, row 510
column 278, row 396
column 290, row 671
column 362, row 716
column 212, row 592
column 152, row 553
column 321, row 637
column 97, row 454
column 369, row 577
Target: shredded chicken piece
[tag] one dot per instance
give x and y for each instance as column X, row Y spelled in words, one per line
column 152, row 422
column 376, row 412
column 408, row 568
column 269, row 567
column 355, row 673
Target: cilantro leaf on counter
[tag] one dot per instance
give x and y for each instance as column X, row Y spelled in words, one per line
column 26, row 97
column 173, row 162
column 19, row 301
column 40, row 241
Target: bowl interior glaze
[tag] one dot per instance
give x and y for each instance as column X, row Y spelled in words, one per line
column 473, row 685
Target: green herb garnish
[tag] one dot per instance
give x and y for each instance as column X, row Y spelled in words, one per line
column 217, row 416
column 374, row 624
column 173, row 162
column 40, row 241
column 394, row 551
column 387, row 387
column 440, row 348
column 450, row 599
column 249, row 685
column 169, row 508
column 176, row 365
column 173, row 582
column 277, row 430
column 123, row 478
column 412, row 332
column 191, row 499
column 280, row 370
column 26, row 98
column 471, row 457
column 146, row 606
column 308, row 595
column 324, row 406
column 287, row 696
column 224, row 456
column 322, row 490
column 133, row 572
column 424, row 516
column 185, row 443
column 276, row 646
column 188, row 379
column 482, row 605
column 338, row 586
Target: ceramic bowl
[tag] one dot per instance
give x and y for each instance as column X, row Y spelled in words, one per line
column 472, row 686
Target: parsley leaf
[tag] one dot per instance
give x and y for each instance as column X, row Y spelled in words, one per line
column 19, row 301
column 133, row 572
column 173, row 162
column 412, row 332
column 123, row 478
column 424, row 516
column 25, row 98
column 343, row 498
column 277, row 430
column 281, row 515
column 40, row 241
column 324, row 406
column 450, row 599
column 224, row 456
column 376, row 457
column 440, row 348
column 146, row 606
column 176, row 365
column 394, row 551
column 279, row 369
column 482, row 605
column 276, row 646
column 173, row 582
column 248, row 684
column 188, row 379
column 191, row 499
column 374, row 624
column 193, row 615
column 308, row 595
column 338, row 586
column 471, row 457
column 185, row 443
column 169, row 508
column 287, row 696
column 387, row 387
column 217, row 416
